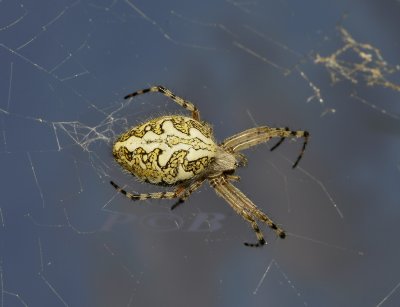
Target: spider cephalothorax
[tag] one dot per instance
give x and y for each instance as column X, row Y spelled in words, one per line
column 181, row 151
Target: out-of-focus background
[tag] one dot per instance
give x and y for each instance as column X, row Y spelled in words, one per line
column 332, row 68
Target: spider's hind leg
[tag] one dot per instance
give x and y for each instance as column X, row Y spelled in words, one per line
column 144, row 196
column 166, row 92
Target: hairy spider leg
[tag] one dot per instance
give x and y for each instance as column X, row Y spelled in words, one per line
column 258, row 135
column 245, row 208
column 280, row 141
column 144, row 196
column 181, row 192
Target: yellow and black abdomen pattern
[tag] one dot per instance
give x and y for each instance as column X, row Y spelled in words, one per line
column 166, row 150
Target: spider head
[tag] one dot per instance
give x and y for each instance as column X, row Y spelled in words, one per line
column 226, row 162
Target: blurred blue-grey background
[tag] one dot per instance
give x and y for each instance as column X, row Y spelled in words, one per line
column 68, row 239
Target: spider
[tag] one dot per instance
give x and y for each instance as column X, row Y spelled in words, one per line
column 181, row 152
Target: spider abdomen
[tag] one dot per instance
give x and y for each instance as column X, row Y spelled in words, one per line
column 166, row 150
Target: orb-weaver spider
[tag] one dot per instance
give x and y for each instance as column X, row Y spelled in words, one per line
column 181, row 151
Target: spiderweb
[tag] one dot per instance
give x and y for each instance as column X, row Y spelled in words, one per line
column 68, row 239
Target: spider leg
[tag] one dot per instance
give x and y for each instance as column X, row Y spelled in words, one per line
column 187, row 192
column 161, row 89
column 244, row 207
column 163, row 195
column 259, row 135
column 279, row 142
column 156, row 195
column 219, row 184
column 180, row 201
column 257, row 230
column 303, row 148
column 233, row 177
column 255, row 211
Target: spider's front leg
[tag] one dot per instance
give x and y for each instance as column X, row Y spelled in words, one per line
column 259, row 135
column 166, row 92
